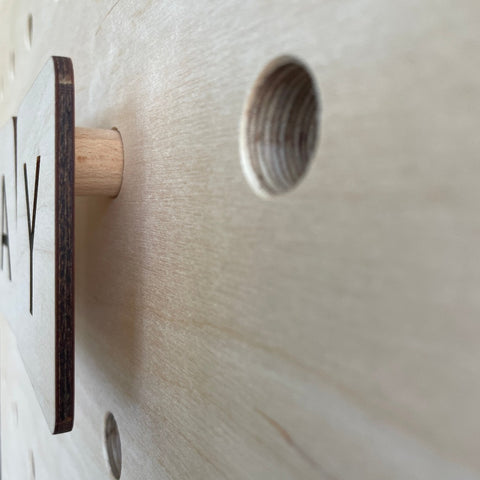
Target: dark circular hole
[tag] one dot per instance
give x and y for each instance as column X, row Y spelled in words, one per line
column 12, row 65
column 32, row 465
column 29, row 32
column 113, row 445
column 280, row 127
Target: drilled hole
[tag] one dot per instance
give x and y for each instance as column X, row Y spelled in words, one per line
column 29, row 32
column 113, row 446
column 11, row 66
column 15, row 413
column 32, row 466
column 280, row 127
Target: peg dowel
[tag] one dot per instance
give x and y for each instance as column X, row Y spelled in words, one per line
column 98, row 162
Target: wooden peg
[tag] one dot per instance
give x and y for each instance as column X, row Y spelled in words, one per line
column 98, row 162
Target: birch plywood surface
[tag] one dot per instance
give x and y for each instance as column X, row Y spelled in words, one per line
column 328, row 332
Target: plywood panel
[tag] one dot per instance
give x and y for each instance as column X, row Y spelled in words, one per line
column 330, row 332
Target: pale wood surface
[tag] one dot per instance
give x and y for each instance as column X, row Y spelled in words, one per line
column 329, row 333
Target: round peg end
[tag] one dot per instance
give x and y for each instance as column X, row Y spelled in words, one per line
column 98, row 162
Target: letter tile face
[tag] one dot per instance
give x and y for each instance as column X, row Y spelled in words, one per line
column 43, row 267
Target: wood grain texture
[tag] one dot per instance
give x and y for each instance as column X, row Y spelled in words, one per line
column 328, row 333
